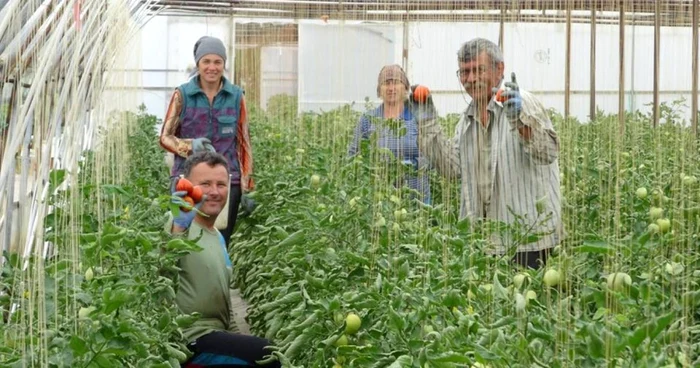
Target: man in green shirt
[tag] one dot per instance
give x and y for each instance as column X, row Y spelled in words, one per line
column 205, row 275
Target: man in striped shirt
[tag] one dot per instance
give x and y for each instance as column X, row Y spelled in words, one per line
column 505, row 152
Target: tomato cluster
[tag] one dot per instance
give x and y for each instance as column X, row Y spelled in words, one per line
column 194, row 193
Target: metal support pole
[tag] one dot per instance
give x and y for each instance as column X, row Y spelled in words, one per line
column 621, row 87
column 694, row 104
column 592, row 103
column 657, row 51
column 232, row 48
column 567, row 64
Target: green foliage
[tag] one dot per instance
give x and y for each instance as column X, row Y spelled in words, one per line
column 115, row 307
column 283, row 107
column 427, row 293
column 318, row 248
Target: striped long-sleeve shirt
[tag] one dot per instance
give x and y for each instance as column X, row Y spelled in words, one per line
column 403, row 146
column 503, row 173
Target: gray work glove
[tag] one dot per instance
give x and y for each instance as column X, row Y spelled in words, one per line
column 202, row 144
column 248, row 205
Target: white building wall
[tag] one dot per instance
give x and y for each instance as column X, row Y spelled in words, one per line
column 338, row 62
column 537, row 54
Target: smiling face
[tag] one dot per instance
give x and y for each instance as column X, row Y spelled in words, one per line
column 214, row 183
column 479, row 76
column 211, row 68
column 392, row 91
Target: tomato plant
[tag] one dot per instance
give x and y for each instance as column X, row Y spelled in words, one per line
column 342, row 268
column 418, row 279
column 104, row 296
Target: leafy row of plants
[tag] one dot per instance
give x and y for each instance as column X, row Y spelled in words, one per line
column 342, row 269
column 105, row 295
column 332, row 238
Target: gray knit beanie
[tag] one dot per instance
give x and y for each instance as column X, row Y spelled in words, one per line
column 209, row 45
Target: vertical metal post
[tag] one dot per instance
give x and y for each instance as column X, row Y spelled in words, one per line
column 657, row 51
column 9, row 189
column 232, row 48
column 405, row 44
column 567, row 65
column 502, row 27
column 694, row 105
column 621, row 87
column 592, row 103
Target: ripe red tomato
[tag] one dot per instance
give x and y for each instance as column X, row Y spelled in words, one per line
column 196, row 194
column 420, row 94
column 184, row 185
column 190, row 201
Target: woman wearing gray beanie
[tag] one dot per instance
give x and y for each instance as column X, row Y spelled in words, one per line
column 208, row 113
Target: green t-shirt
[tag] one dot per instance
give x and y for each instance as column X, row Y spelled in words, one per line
column 205, row 277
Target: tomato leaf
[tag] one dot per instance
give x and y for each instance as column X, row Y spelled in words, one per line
column 450, row 357
column 114, row 189
column 402, row 361
column 649, row 330
column 396, row 321
column 597, row 247
column 78, row 345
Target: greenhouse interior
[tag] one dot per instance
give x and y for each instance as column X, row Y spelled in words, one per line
column 349, row 183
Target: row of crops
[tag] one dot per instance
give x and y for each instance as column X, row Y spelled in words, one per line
column 342, row 270
column 333, row 239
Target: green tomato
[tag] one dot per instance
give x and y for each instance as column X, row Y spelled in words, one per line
column 619, row 281
column 519, row 279
column 653, row 228
column 342, row 341
column 352, row 323
column 315, row 180
column 656, row 212
column 381, row 221
column 664, row 224
column 89, row 274
column 642, row 192
column 338, row 318
column 689, row 180
column 530, row 294
column 552, row 277
column 400, row 214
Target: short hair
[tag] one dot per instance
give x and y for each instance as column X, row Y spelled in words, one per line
column 210, row 158
column 393, row 71
column 471, row 49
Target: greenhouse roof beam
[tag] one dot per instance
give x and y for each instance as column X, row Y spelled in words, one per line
column 674, row 12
